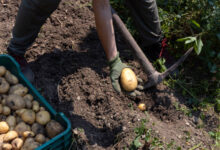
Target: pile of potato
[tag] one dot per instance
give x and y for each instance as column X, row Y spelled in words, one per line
column 24, row 124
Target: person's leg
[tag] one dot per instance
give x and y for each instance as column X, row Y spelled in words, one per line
column 145, row 14
column 31, row 16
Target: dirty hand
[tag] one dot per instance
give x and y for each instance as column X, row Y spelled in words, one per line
column 116, row 67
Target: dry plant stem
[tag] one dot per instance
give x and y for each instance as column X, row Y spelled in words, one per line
column 154, row 77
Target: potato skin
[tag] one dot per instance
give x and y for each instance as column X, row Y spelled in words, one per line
column 2, row 71
column 3, row 127
column 15, row 102
column 128, row 80
column 6, row 146
column 18, row 89
column 4, row 86
column 21, row 128
column 11, row 120
column 10, row 136
column 43, row 117
column 53, row 128
column 28, row 116
column 40, row 138
column 37, row 128
column 17, row 143
column 12, row 79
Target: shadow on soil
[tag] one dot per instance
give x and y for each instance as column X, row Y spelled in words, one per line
column 50, row 68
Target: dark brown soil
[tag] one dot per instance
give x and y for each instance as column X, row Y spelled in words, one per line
column 72, row 74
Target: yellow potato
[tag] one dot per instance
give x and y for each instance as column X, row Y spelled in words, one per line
column 128, row 80
column 11, row 120
column 30, row 144
column 6, row 110
column 4, row 86
column 15, row 102
column 19, row 112
column 36, row 106
column 6, row 146
column 18, row 89
column 3, row 127
column 28, row 134
column 12, row 79
column 142, row 106
column 2, row 71
column 17, row 143
column 1, row 138
column 43, row 117
column 40, row 138
column 21, row 128
column 10, row 136
column 28, row 116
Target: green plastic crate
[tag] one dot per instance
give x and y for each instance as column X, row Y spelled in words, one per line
column 64, row 139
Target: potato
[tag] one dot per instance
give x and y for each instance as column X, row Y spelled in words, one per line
column 30, row 144
column 18, row 89
column 21, row 128
column 10, row 136
column 3, row 127
column 17, row 143
column 6, row 110
column 11, row 121
column 27, row 134
column 29, row 97
column 11, row 78
column 43, row 117
column 128, row 80
column 19, row 112
column 142, row 106
column 53, row 128
column 37, row 128
column 28, row 100
column 29, row 141
column 2, row 71
column 1, row 139
column 40, row 138
column 4, row 86
column 36, row 106
column 42, row 108
column 6, row 146
column 2, row 99
column 28, row 116
column 15, row 102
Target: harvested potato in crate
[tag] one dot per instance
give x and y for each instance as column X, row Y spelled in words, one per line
column 24, row 123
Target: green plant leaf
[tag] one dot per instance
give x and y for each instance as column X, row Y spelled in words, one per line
column 137, row 143
column 183, row 39
column 195, row 23
column 190, row 40
column 212, row 134
column 199, row 45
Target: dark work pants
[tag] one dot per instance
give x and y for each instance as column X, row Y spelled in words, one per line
column 32, row 15
column 146, row 17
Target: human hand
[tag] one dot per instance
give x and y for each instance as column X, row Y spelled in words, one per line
column 116, row 67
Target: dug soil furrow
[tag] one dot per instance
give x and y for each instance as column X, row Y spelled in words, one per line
column 73, row 75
